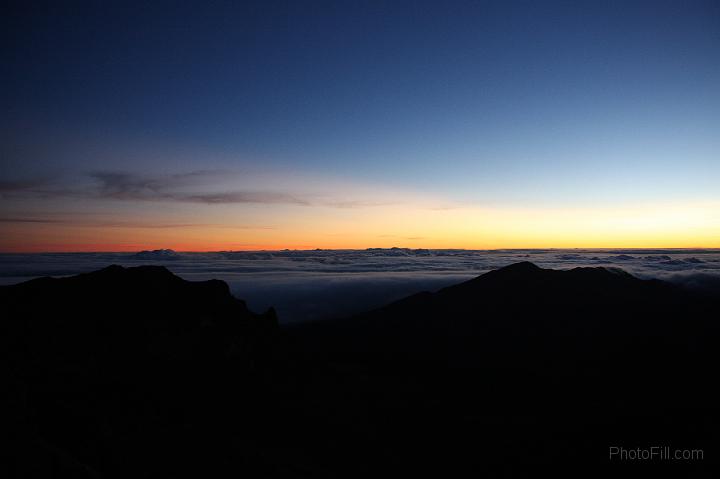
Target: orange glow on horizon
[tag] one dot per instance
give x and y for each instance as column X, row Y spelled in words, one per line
column 631, row 226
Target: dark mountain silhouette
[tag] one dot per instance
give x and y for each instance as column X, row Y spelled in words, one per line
column 528, row 309
column 119, row 371
column 523, row 368
column 135, row 372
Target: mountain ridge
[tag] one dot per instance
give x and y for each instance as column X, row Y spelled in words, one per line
column 516, row 370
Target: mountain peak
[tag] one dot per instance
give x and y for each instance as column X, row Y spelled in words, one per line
column 145, row 271
column 521, row 270
column 522, row 266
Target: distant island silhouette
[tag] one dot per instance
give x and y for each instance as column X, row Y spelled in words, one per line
column 135, row 372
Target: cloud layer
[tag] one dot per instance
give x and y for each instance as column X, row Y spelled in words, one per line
column 211, row 187
column 306, row 285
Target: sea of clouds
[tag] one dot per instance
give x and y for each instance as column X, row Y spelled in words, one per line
column 317, row 284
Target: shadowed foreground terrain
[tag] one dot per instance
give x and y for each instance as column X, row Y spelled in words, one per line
column 137, row 373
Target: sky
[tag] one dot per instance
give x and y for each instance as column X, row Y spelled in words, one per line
column 203, row 126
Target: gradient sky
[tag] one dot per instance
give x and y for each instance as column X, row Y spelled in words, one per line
column 242, row 125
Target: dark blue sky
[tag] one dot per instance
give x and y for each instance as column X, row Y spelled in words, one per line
column 496, row 103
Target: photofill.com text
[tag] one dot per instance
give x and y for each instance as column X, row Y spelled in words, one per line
column 655, row 453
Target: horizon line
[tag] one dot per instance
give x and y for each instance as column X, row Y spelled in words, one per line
column 280, row 250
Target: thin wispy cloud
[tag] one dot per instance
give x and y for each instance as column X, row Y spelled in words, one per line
column 201, row 187
column 35, row 186
column 73, row 220
column 124, row 185
column 11, row 219
column 233, row 197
